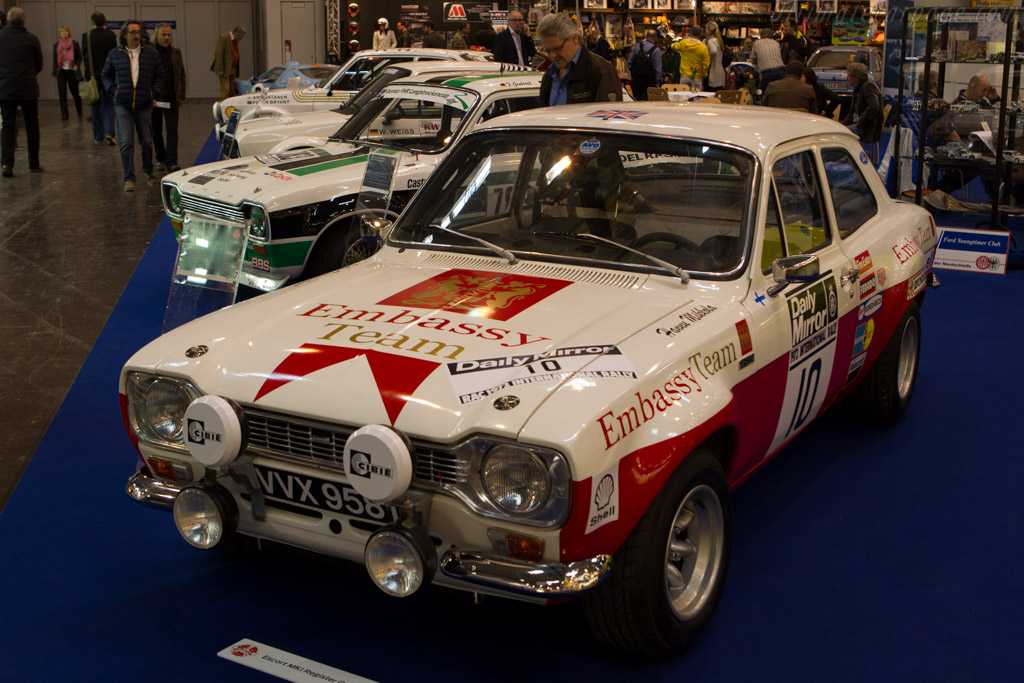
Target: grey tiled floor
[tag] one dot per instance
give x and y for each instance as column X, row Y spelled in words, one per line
column 70, row 238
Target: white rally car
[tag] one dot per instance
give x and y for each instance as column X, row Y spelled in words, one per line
column 301, row 206
column 332, row 92
column 589, row 326
column 295, row 131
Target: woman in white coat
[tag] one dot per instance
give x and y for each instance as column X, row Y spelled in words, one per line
column 384, row 38
column 713, row 39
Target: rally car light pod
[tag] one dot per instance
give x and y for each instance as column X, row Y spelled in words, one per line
column 400, row 559
column 205, row 515
column 215, row 430
column 156, row 408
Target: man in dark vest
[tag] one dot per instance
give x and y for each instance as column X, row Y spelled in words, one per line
column 169, row 100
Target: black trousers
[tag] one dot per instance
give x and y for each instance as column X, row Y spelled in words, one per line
column 166, row 154
column 9, row 112
column 68, row 80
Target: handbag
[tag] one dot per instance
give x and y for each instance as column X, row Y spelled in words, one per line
column 88, row 90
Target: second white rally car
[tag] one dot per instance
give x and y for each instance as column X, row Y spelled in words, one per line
column 331, row 92
column 301, row 206
column 283, row 133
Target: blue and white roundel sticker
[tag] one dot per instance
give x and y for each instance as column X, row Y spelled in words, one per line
column 863, row 158
column 590, row 146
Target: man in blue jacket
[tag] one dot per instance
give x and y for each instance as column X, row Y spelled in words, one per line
column 133, row 75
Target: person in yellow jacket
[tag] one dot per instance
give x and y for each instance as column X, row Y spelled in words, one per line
column 694, row 58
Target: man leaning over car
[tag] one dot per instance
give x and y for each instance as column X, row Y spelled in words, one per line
column 576, row 74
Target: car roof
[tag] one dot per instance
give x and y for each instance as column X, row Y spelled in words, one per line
column 433, row 66
column 483, row 83
column 757, row 129
column 414, row 52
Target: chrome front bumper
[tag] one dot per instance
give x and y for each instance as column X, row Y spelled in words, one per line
column 505, row 574
column 154, row 493
column 526, row 578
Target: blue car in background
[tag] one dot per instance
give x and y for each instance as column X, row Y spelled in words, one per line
column 288, row 75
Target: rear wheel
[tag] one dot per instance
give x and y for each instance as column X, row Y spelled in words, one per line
column 885, row 392
column 670, row 573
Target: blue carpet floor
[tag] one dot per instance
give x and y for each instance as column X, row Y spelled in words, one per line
column 860, row 554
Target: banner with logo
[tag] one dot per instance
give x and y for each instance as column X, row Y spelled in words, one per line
column 977, row 251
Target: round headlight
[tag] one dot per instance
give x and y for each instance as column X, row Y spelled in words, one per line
column 258, row 222
column 173, row 199
column 204, row 517
column 515, row 479
column 166, row 402
column 400, row 559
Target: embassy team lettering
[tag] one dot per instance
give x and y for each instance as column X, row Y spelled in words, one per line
column 814, row 316
column 361, row 334
column 703, row 366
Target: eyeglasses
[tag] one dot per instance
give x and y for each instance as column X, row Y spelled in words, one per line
column 560, row 47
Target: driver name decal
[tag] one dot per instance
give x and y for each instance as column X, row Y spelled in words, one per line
column 480, row 293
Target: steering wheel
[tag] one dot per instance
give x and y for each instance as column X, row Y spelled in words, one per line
column 678, row 241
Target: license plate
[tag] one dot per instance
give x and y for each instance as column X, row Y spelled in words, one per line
column 321, row 494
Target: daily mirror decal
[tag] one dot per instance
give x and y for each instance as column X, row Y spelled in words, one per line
column 473, row 380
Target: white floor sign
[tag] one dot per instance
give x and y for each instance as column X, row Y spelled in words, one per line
column 285, row 665
column 978, row 251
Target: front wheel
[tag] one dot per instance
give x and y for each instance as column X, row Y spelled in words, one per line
column 330, row 250
column 884, row 394
column 670, row 573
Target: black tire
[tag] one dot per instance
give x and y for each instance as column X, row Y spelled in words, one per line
column 670, row 573
column 329, row 251
column 885, row 392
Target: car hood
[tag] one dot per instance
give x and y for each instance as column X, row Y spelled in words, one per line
column 285, row 122
column 410, row 342
column 284, row 180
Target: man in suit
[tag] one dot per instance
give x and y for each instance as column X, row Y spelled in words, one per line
column 791, row 92
column 514, row 45
column 97, row 44
column 225, row 60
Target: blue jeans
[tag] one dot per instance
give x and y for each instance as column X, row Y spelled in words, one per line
column 103, row 116
column 129, row 121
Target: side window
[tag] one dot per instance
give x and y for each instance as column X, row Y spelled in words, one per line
column 803, row 222
column 771, row 248
column 509, row 105
column 495, row 108
column 853, row 201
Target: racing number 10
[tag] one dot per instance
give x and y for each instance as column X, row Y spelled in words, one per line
column 810, row 378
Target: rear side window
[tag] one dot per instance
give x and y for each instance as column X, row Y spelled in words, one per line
column 854, row 202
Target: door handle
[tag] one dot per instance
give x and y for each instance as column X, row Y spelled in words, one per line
column 850, row 275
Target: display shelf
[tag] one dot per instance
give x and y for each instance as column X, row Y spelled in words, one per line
column 969, row 37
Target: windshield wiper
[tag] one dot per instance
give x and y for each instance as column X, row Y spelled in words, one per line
column 683, row 276
column 504, row 253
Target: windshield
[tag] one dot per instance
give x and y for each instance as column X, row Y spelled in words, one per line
column 416, row 118
column 270, row 75
column 372, row 89
column 535, row 193
column 829, row 59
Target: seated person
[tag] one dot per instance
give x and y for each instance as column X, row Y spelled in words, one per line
column 791, row 92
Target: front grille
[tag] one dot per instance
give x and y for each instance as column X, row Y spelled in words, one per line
column 211, row 207
column 321, row 445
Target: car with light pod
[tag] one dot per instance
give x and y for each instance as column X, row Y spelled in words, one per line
column 302, row 207
column 591, row 324
column 287, row 75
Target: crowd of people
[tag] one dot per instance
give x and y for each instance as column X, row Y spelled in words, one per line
column 133, row 88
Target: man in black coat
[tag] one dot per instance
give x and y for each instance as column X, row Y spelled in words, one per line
column 576, row 74
column 133, row 75
column 514, row 45
column 865, row 116
column 21, row 59
column 169, row 100
column 485, row 36
column 102, row 41
column 432, row 38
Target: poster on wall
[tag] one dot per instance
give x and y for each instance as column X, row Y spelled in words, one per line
column 850, row 31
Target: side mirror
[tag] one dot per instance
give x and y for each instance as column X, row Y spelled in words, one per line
column 375, row 226
column 790, row 270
